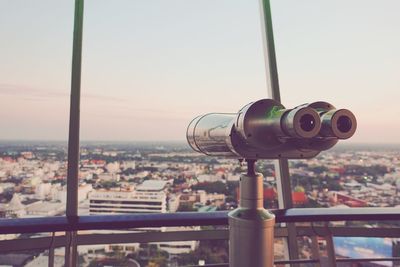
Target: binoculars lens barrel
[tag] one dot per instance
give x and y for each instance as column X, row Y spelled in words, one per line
column 208, row 134
column 339, row 123
column 302, row 122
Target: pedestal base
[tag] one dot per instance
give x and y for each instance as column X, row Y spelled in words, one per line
column 251, row 227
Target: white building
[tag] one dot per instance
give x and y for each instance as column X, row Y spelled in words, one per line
column 14, row 208
column 113, row 167
column 129, row 165
column 109, row 177
column 44, row 209
column 43, row 190
column 60, row 192
column 202, row 178
column 178, row 247
column 148, row 197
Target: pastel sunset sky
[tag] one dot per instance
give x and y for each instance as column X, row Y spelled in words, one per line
column 149, row 67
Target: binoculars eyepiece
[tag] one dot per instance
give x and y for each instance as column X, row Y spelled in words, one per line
column 265, row 129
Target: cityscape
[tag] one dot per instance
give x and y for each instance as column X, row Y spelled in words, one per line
column 144, row 70
column 167, row 177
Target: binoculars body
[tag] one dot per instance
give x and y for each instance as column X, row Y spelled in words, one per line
column 265, row 129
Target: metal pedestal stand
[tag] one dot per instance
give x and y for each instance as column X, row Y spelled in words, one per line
column 251, row 227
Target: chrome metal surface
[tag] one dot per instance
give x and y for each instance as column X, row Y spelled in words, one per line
column 301, row 122
column 264, row 129
column 210, row 134
column 259, row 123
column 340, row 123
column 251, row 227
column 190, row 134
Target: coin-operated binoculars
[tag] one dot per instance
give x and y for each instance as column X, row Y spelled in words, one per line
column 265, row 129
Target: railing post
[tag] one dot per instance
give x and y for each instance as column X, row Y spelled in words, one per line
column 73, row 139
column 330, row 248
column 51, row 257
column 251, row 227
column 281, row 166
column 315, row 250
column 51, row 251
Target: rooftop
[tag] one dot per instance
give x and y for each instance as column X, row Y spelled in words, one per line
column 152, row 185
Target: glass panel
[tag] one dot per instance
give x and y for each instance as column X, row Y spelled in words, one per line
column 336, row 53
column 267, row 169
column 182, row 253
column 147, row 73
column 14, row 254
column 42, row 259
column 34, row 106
column 280, row 250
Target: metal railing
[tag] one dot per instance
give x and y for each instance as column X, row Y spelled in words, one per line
column 122, row 222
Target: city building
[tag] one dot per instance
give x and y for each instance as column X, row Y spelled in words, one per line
column 148, row 197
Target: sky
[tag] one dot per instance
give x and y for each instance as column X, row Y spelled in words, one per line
column 149, row 67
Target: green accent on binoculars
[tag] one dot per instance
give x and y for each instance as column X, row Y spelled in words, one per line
column 274, row 112
column 319, row 110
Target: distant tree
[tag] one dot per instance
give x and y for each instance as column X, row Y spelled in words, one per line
column 89, row 181
column 232, row 189
column 128, row 171
column 299, row 189
column 185, row 206
column 215, row 187
column 6, row 196
column 179, row 180
column 212, row 251
column 155, row 257
column 319, row 169
column 238, row 170
column 265, row 169
column 334, row 185
column 300, row 164
column 107, row 184
column 374, row 170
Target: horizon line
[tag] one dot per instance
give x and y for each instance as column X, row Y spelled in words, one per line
column 166, row 141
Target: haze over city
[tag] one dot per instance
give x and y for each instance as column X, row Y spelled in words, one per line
column 148, row 71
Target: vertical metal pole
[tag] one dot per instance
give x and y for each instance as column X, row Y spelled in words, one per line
column 315, row 250
column 67, row 258
column 51, row 257
column 330, row 249
column 269, row 50
column 282, row 165
column 73, row 140
column 251, row 227
column 51, row 250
